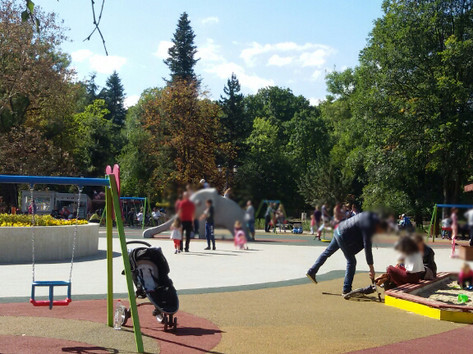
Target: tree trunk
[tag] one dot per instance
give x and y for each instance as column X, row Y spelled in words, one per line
column 445, row 197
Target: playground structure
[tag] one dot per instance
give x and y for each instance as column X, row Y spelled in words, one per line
column 227, row 212
column 111, row 183
column 433, row 228
column 144, row 204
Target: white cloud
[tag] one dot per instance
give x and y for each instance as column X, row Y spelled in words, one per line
column 316, row 75
column 316, row 58
column 210, row 51
column 315, row 101
column 210, row 20
column 100, row 63
column 309, row 54
column 162, row 51
column 81, row 55
column 106, row 64
column 215, row 63
column 131, row 100
column 277, row 60
column 225, row 69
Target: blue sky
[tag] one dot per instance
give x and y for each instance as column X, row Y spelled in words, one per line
column 279, row 42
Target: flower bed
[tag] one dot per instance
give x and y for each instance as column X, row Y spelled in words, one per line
column 15, row 220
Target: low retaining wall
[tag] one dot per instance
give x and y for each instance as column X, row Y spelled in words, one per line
column 52, row 243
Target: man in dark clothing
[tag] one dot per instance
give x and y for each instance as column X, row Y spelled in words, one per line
column 351, row 236
column 267, row 217
column 209, row 224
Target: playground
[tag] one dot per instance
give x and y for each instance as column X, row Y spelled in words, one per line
column 231, row 301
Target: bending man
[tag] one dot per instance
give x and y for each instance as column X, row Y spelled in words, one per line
column 351, row 236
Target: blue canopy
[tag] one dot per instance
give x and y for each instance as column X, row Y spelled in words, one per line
column 32, row 180
column 463, row 206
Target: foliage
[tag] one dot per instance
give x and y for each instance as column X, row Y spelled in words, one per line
column 181, row 59
column 136, row 163
column 22, row 220
column 24, row 151
column 114, row 96
column 183, row 128
column 34, row 74
column 93, row 147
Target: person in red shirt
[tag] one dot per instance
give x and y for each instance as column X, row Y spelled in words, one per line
column 186, row 213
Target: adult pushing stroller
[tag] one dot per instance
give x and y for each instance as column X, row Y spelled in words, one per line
column 149, row 270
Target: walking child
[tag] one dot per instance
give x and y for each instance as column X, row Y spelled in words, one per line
column 312, row 224
column 240, row 237
column 176, row 235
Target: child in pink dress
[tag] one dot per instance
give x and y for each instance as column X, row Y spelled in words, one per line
column 312, row 224
column 240, row 237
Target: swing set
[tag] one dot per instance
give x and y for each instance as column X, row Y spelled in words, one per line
column 433, row 228
column 111, row 183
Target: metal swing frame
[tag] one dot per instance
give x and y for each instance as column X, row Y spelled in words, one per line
column 47, row 283
column 110, row 183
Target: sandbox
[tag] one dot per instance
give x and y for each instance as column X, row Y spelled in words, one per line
column 52, row 243
column 436, row 299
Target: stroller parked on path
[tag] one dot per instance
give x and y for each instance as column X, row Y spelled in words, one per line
column 149, row 270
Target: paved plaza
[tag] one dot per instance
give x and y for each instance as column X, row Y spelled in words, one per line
column 280, row 259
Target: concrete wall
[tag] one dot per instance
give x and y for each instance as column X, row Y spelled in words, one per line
column 52, row 243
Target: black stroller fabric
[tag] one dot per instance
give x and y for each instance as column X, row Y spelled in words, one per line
column 149, row 266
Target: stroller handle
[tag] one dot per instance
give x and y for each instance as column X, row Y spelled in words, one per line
column 138, row 242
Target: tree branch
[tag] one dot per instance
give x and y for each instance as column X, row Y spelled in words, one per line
column 96, row 24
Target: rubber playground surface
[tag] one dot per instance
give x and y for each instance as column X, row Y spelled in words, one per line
column 289, row 316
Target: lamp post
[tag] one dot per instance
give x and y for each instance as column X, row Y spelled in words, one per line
column 220, row 169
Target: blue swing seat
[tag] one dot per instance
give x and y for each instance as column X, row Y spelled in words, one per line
column 51, row 302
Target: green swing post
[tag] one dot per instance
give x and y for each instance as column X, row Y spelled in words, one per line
column 126, row 264
column 144, row 216
column 433, row 223
column 109, row 224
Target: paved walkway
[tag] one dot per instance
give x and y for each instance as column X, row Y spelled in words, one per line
column 202, row 271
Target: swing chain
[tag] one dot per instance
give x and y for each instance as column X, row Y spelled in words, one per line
column 74, row 240
column 33, row 223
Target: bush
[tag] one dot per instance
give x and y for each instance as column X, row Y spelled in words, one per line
column 40, row 220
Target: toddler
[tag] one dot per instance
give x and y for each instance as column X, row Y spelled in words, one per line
column 240, row 237
column 176, row 235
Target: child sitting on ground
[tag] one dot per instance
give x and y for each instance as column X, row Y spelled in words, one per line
column 176, row 235
column 412, row 271
column 465, row 277
column 428, row 257
column 240, row 237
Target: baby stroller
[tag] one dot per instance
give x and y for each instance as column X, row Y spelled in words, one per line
column 149, row 270
column 297, row 228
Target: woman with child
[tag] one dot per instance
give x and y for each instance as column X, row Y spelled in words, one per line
column 416, row 262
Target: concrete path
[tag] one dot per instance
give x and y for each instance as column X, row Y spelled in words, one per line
column 264, row 262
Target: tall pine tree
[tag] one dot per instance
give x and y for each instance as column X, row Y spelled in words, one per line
column 234, row 122
column 181, row 59
column 114, row 96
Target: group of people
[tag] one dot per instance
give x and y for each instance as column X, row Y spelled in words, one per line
column 136, row 218
column 186, row 223
column 321, row 216
column 274, row 217
column 416, row 260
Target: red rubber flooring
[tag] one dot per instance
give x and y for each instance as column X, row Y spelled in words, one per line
column 193, row 335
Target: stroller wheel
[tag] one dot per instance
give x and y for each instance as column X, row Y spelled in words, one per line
column 160, row 317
